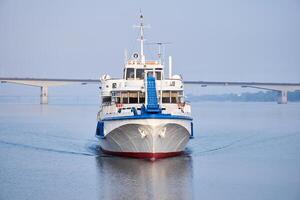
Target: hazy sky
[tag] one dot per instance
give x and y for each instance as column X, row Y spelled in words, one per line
column 234, row 40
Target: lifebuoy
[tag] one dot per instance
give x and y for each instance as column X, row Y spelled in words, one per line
column 119, row 105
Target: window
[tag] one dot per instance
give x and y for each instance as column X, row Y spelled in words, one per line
column 158, row 75
column 124, row 97
column 150, row 74
column 166, row 96
column 140, row 74
column 174, row 97
column 116, row 97
column 106, row 99
column 130, row 73
column 180, row 97
column 133, row 97
column 142, row 97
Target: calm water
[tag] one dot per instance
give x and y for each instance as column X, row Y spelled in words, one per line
column 240, row 151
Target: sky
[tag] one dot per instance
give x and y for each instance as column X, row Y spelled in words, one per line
column 213, row 40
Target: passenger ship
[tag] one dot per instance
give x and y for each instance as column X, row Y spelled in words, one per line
column 144, row 114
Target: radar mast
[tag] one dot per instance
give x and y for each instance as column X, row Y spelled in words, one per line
column 141, row 26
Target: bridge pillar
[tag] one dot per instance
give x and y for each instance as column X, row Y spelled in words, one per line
column 44, row 95
column 282, row 97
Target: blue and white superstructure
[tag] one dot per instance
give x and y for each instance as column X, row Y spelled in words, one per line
column 144, row 114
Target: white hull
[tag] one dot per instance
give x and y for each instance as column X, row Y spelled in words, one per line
column 146, row 137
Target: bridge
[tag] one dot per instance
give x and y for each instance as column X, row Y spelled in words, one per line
column 44, row 83
column 281, row 88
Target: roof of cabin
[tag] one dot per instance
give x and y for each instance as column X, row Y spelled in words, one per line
column 148, row 64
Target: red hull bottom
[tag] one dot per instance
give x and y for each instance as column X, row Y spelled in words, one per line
column 143, row 154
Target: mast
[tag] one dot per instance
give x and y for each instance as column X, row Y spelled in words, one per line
column 142, row 38
column 141, row 26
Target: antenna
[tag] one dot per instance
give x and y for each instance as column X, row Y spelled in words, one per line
column 160, row 46
column 141, row 26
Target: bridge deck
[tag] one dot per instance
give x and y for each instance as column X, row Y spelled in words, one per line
column 44, row 83
column 231, row 83
column 51, row 79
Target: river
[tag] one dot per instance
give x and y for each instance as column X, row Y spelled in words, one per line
column 240, row 151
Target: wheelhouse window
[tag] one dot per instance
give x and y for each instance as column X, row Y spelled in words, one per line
column 129, row 73
column 158, row 75
column 150, row 74
column 133, row 97
column 140, row 74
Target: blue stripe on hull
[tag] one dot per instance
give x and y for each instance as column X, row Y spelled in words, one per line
column 100, row 129
column 192, row 131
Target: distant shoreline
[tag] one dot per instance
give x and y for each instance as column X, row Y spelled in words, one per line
column 269, row 96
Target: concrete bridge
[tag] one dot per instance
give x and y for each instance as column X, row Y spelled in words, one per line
column 44, row 83
column 281, row 88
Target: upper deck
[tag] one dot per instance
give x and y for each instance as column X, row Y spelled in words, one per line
column 134, row 75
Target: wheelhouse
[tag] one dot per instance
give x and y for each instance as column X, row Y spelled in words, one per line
column 136, row 71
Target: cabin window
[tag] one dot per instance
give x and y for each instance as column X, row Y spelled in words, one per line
column 158, row 75
column 130, row 73
column 124, row 97
column 180, row 97
column 106, row 99
column 166, row 96
column 140, row 74
column 116, row 97
column 141, row 97
column 118, row 100
column 174, row 97
column 133, row 97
